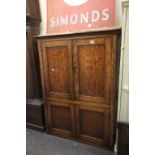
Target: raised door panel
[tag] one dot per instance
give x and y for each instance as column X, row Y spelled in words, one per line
column 93, row 61
column 91, row 67
column 60, row 119
column 57, row 68
column 92, row 124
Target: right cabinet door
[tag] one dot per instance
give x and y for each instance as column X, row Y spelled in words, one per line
column 92, row 124
column 93, row 60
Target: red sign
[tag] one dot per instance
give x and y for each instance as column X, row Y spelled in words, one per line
column 65, row 16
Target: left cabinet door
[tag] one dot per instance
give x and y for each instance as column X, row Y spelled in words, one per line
column 56, row 64
column 60, row 119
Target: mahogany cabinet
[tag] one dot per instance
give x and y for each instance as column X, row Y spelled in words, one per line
column 34, row 101
column 79, row 78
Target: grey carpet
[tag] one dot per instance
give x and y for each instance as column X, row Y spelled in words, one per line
column 38, row 143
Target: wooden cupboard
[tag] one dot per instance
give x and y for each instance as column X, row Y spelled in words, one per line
column 79, row 79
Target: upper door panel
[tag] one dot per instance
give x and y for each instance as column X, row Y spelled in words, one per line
column 92, row 59
column 57, row 68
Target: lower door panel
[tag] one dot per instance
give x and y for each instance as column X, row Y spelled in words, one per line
column 61, row 119
column 92, row 124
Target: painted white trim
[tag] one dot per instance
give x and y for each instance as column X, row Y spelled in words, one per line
column 123, row 97
column 43, row 12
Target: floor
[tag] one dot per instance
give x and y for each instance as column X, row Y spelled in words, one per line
column 39, row 143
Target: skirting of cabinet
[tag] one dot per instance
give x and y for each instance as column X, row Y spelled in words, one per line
column 35, row 127
column 35, row 114
column 81, row 141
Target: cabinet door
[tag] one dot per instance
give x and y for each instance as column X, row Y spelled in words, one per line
column 60, row 119
column 57, row 68
column 94, row 60
column 92, row 124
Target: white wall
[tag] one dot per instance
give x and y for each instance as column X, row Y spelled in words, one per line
column 118, row 12
column 43, row 10
column 123, row 97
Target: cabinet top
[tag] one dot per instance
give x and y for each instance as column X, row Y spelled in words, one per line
column 90, row 32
